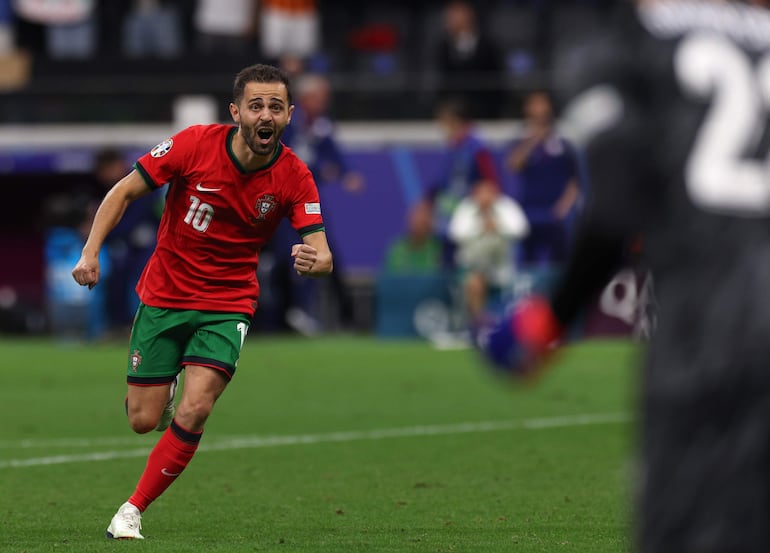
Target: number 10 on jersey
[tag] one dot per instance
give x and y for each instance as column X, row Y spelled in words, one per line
column 199, row 215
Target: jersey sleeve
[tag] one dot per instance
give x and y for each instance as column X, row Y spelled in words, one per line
column 305, row 209
column 167, row 160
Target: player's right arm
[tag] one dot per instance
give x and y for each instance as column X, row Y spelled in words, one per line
column 129, row 188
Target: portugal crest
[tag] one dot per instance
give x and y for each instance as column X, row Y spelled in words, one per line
column 265, row 205
column 136, row 360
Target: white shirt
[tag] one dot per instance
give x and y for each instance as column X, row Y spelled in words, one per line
column 490, row 253
column 224, row 17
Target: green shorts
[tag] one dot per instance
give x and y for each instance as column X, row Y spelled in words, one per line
column 163, row 341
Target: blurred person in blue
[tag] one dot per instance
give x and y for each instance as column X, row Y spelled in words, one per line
column 311, row 133
column 130, row 243
column 311, row 136
column 545, row 168
column 73, row 313
column 152, row 29
column 59, row 29
column 486, row 227
column 467, row 160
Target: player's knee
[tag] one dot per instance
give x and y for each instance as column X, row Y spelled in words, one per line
column 141, row 423
column 192, row 413
column 142, row 418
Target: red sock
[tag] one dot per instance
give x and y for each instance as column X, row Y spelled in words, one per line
column 167, row 460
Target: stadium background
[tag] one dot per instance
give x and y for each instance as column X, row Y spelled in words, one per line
column 340, row 443
column 58, row 112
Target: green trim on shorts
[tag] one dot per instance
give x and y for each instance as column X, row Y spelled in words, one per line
column 164, row 340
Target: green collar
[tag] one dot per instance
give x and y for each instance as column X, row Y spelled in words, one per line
column 237, row 163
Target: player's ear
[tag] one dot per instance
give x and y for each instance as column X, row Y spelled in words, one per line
column 291, row 110
column 234, row 113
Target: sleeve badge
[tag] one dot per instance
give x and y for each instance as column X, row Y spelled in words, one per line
column 163, row 148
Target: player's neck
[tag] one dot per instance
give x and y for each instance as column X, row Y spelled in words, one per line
column 247, row 158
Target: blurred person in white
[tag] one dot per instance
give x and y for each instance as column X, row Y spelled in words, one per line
column 69, row 25
column 152, row 29
column 485, row 227
column 226, row 25
column 290, row 28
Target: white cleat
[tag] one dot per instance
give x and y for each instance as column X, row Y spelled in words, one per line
column 170, row 409
column 126, row 523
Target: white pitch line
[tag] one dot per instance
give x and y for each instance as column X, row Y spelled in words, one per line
column 255, row 442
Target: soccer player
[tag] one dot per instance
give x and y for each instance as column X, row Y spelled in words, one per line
column 676, row 96
column 228, row 188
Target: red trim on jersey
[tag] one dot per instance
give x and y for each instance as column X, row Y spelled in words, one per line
column 227, row 373
column 145, row 385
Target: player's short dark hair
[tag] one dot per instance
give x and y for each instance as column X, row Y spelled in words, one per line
column 259, row 73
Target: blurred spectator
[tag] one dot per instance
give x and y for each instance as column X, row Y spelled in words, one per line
column 486, row 226
column 470, row 64
column 418, row 251
column 412, row 290
column 546, row 170
column 152, row 29
column 7, row 36
column 311, row 136
column 226, row 26
column 131, row 243
column 467, row 160
column 290, row 27
column 73, row 312
column 68, row 27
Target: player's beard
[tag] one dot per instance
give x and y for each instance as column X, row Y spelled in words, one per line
column 255, row 144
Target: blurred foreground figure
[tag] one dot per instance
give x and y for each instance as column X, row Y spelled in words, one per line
column 673, row 102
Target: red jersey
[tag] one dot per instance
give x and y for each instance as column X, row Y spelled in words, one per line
column 217, row 217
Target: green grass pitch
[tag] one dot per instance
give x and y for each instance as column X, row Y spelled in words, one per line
column 327, row 445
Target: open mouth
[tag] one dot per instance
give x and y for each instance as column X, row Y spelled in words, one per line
column 264, row 135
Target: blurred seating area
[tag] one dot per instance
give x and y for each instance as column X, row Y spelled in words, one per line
column 419, row 104
column 126, row 60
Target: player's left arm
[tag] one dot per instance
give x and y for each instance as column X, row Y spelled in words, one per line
column 313, row 258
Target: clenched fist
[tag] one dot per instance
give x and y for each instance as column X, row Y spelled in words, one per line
column 86, row 272
column 304, row 258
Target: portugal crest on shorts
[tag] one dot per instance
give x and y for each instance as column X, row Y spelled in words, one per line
column 136, row 360
column 264, row 206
